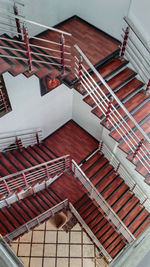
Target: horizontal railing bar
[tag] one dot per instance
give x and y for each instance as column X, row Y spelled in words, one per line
column 22, row 58
column 13, row 49
column 6, row 135
column 137, row 33
column 113, row 94
column 44, row 55
column 50, row 49
column 12, row 40
column 10, row 31
column 8, row 17
column 46, row 62
column 38, row 24
column 34, row 167
column 52, row 42
column 140, row 52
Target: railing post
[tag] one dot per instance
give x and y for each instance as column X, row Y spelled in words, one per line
column 62, row 49
column 3, row 100
column 37, row 139
column 124, row 43
column 47, row 173
column 117, row 169
column 101, row 144
column 18, row 143
column 7, row 187
column 137, row 150
column 17, row 22
column 25, row 179
column 80, row 73
column 147, row 91
column 108, row 112
column 26, row 40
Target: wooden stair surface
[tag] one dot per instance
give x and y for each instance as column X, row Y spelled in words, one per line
column 114, row 190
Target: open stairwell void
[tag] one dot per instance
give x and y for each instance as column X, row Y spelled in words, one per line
column 98, row 170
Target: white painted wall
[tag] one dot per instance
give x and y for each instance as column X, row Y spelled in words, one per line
column 105, row 14
column 30, row 110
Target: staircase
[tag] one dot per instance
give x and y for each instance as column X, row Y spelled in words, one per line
column 129, row 91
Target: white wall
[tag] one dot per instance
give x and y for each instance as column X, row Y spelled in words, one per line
column 105, row 14
column 139, row 14
column 30, row 110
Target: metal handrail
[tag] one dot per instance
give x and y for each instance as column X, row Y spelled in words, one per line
column 36, row 221
column 89, row 232
column 137, row 33
column 26, row 137
column 130, row 181
column 35, row 23
column 117, row 120
column 102, row 203
column 112, row 93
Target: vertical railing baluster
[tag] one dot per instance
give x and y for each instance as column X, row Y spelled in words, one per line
column 18, row 143
column 37, row 139
column 106, row 122
column 62, row 49
column 124, row 43
column 4, row 102
column 148, row 88
column 80, row 73
column 26, row 40
column 17, row 22
column 7, row 187
column 137, row 150
column 25, row 179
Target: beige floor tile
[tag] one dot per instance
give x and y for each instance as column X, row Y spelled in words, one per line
column 77, row 227
column 86, row 239
column 49, row 262
column 14, row 247
column 40, row 227
column 26, row 238
column 50, row 225
column 50, row 237
column 75, row 263
column 25, row 261
column 62, row 262
column 38, row 237
column 88, row 263
column 75, row 237
column 37, row 250
column 50, row 250
column 24, row 250
column 62, row 250
column 63, row 237
column 36, row 262
column 75, row 251
column 88, row 251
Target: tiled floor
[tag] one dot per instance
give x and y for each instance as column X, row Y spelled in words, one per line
column 46, row 246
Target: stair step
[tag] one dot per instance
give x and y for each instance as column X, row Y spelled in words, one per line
column 90, row 161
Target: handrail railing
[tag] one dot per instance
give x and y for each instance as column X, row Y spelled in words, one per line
column 102, row 203
column 129, row 180
column 23, row 180
column 89, row 232
column 36, row 221
column 32, row 56
column 111, row 113
column 137, row 50
column 19, row 139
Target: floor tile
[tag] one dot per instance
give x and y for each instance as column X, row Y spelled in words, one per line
column 25, row 261
column 63, row 237
column 50, row 225
column 38, row 237
column 24, row 250
column 37, row 250
column 75, row 251
column 14, row 247
column 49, row 262
column 88, row 251
column 40, row 227
column 50, row 250
column 75, row 263
column 75, row 237
column 36, row 262
column 62, row 250
column 26, row 238
column 77, row 227
column 50, row 237
column 88, row 263
column 86, row 239
column 62, row 262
